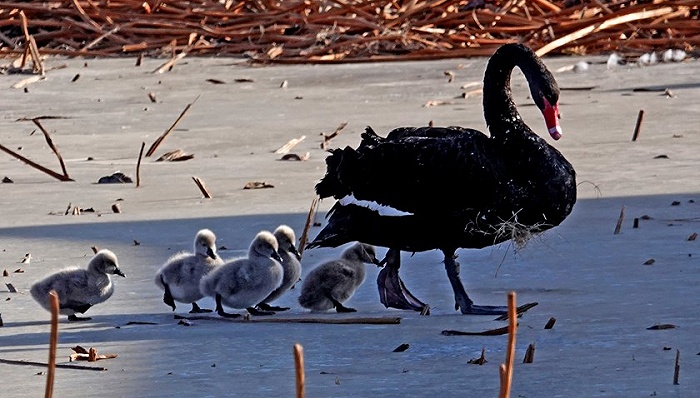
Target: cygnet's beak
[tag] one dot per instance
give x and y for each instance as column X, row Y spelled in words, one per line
column 119, row 272
column 277, row 257
column 211, row 253
column 295, row 252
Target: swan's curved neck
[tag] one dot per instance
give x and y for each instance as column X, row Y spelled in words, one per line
column 499, row 109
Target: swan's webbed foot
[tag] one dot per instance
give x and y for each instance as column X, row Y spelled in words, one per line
column 197, row 310
column 220, row 309
column 75, row 318
column 462, row 301
column 268, row 307
column 259, row 312
column 392, row 291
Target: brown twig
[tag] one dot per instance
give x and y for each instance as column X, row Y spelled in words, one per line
column 299, row 367
column 529, row 354
column 160, row 139
column 618, row 226
column 284, row 149
column 200, row 185
column 506, row 369
column 638, row 125
column 329, row 320
column 138, row 165
column 550, row 323
column 49, row 141
column 490, row 332
column 53, row 343
column 58, row 366
column 309, row 221
column 35, row 165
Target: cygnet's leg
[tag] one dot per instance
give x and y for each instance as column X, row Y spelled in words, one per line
column 75, row 318
column 167, row 296
column 268, row 307
column 258, row 312
column 339, row 307
column 220, row 309
column 196, row 310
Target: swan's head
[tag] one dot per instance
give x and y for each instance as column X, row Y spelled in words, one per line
column 551, row 119
column 205, row 244
column 546, row 96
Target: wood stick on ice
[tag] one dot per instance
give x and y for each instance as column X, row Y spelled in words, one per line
column 506, row 369
column 138, row 166
column 160, row 139
column 53, row 343
column 618, row 227
column 49, row 141
column 638, row 125
column 200, row 185
column 299, row 366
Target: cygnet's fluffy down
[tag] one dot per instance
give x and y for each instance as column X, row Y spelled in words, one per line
column 332, row 283
column 290, row 265
column 179, row 277
column 245, row 282
column 79, row 289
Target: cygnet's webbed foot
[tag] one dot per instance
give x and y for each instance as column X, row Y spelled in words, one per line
column 392, row 291
column 220, row 309
column 259, row 312
column 75, row 318
column 167, row 296
column 268, row 307
column 339, row 307
column 196, row 310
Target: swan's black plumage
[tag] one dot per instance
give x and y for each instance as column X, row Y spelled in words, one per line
column 454, row 187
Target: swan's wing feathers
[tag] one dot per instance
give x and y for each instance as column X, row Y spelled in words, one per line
column 452, row 168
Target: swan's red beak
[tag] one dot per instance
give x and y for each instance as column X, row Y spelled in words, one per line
column 551, row 119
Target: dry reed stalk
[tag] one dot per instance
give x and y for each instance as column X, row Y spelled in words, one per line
column 309, row 222
column 529, row 354
column 160, row 139
column 602, row 26
column 58, row 366
column 138, row 165
column 677, row 368
column 329, row 320
column 638, row 125
column 49, row 141
column 53, row 343
column 284, row 149
column 506, row 369
column 35, row 165
column 299, row 366
column 618, row 226
column 550, row 323
column 200, row 185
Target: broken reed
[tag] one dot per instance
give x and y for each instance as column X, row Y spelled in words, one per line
column 299, row 367
column 506, row 369
column 638, row 125
column 53, row 343
column 374, row 31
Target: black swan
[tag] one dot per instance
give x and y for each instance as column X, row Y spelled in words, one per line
column 424, row 188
